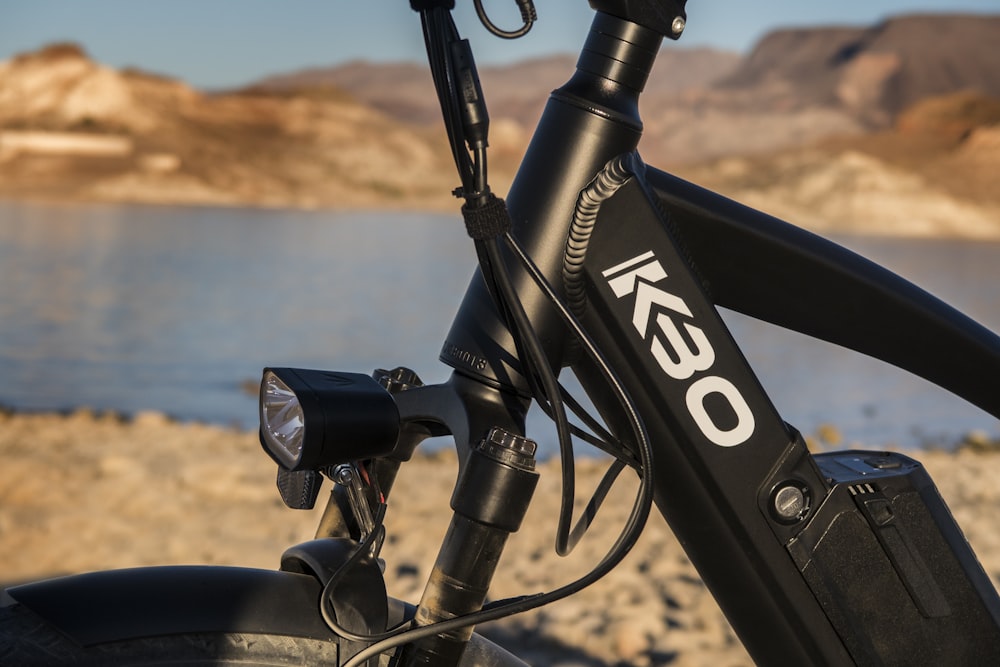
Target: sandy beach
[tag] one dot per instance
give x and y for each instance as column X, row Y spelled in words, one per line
column 85, row 491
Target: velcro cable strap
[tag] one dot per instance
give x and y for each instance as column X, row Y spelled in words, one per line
column 488, row 220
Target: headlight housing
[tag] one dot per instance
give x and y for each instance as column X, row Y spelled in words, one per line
column 310, row 419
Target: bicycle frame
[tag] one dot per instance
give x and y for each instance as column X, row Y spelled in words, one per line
column 835, row 559
column 653, row 258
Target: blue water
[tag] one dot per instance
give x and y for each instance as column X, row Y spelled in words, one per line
column 173, row 309
column 130, row 308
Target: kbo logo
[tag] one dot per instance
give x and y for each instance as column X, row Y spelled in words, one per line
column 683, row 358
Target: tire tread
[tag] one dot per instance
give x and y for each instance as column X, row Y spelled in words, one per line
column 27, row 640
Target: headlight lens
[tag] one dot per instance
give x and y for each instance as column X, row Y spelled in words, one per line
column 310, row 419
column 281, row 416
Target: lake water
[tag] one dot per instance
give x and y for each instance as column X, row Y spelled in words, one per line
column 131, row 308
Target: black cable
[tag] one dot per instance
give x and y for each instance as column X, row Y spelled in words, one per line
column 479, row 169
column 369, row 546
column 626, row 539
column 596, row 500
column 642, row 443
column 641, row 506
column 540, row 374
column 568, row 535
column 540, row 368
column 528, row 17
column 439, row 32
column 541, row 378
column 598, row 436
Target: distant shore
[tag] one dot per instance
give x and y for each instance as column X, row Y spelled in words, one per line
column 84, row 491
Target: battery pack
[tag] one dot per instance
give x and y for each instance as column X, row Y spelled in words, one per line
column 892, row 569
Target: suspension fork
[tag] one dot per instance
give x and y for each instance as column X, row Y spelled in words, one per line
column 490, row 500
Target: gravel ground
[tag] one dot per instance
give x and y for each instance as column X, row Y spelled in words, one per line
column 83, row 491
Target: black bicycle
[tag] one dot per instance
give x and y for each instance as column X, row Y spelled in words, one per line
column 601, row 264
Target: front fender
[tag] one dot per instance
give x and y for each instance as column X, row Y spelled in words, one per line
column 118, row 605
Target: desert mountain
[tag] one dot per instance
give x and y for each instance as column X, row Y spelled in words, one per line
column 897, row 113
column 795, row 86
column 872, row 72
column 514, row 92
column 72, row 127
column 800, row 85
column 934, row 173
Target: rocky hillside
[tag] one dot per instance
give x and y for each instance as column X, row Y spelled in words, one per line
column 934, row 173
column 873, row 72
column 801, row 85
column 892, row 124
column 515, row 93
column 72, row 127
column 795, row 86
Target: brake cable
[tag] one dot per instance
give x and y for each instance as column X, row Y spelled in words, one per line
column 528, row 17
column 626, row 539
column 467, row 124
column 487, row 221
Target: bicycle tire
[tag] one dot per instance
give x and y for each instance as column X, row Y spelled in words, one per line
column 27, row 640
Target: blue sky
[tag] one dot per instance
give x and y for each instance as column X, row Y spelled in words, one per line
column 225, row 43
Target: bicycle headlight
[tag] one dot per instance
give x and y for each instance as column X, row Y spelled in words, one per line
column 310, row 419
